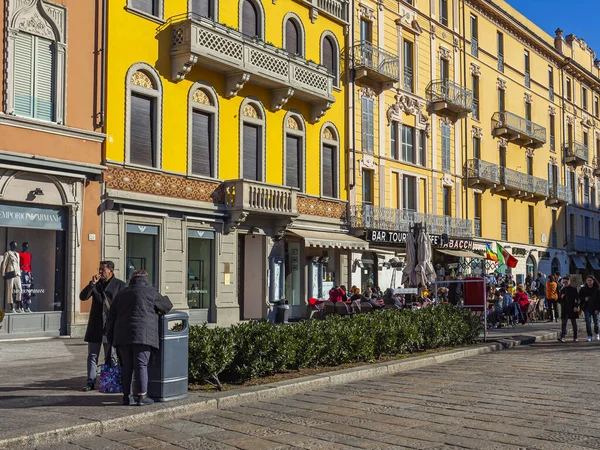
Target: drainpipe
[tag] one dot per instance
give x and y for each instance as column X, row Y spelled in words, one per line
column 353, row 94
column 102, row 122
column 465, row 131
column 563, row 143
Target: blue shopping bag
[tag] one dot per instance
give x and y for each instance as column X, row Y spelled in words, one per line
column 110, row 379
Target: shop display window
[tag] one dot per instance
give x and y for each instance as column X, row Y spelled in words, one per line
column 200, row 269
column 142, row 251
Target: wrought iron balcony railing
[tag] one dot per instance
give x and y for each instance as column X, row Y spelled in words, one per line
column 522, row 182
column 390, row 219
column 482, row 172
column 518, row 129
column 448, row 96
column 335, row 8
column 559, row 192
column 376, row 62
column 584, row 244
column 576, row 153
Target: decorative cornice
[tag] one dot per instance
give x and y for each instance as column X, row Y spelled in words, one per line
column 446, row 121
column 476, row 132
column 570, row 120
column 501, row 84
column 409, row 105
column 365, row 12
column 502, row 143
column 475, row 70
column 366, row 91
column 529, row 152
column 444, row 53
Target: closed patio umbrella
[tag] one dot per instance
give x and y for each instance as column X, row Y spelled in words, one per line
column 425, row 272
column 409, row 276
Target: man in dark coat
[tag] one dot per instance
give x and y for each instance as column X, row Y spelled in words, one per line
column 103, row 286
column 569, row 301
column 132, row 327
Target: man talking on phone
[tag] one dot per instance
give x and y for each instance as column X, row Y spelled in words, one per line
column 102, row 289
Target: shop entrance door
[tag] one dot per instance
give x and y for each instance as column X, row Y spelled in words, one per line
column 253, row 293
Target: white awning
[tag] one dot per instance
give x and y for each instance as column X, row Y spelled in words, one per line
column 460, row 253
column 593, row 262
column 330, row 240
column 578, row 261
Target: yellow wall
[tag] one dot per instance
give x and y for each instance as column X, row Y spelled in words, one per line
column 133, row 39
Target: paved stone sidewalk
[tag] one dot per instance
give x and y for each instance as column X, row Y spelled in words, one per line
column 541, row 396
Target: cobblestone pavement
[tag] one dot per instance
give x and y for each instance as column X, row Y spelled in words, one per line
column 542, row 396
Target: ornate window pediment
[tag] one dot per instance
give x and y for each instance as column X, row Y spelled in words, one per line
column 409, row 105
column 35, row 51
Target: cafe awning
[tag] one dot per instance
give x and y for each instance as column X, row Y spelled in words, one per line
column 579, row 261
column 330, row 240
column 460, row 253
column 593, row 262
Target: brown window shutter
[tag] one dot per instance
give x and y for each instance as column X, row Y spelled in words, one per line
column 142, row 141
column 202, row 144
column 292, row 161
column 250, row 25
column 292, row 38
column 202, row 8
column 252, row 164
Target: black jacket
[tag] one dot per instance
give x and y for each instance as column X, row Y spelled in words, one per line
column 589, row 298
column 569, row 300
column 95, row 328
column 133, row 317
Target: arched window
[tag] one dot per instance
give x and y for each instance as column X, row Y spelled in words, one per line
column 530, row 266
column 252, row 137
column 36, row 53
column 143, row 112
column 150, row 7
column 203, row 131
column 294, row 151
column 329, row 57
column 555, row 266
column 204, row 8
column 293, row 38
column 329, row 162
column 251, row 19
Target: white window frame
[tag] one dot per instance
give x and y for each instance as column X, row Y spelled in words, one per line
column 262, row 123
column 46, row 20
column 211, row 109
column 336, row 145
column 157, row 94
column 336, row 53
column 300, row 134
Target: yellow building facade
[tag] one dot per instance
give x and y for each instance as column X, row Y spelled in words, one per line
column 226, row 146
column 471, row 120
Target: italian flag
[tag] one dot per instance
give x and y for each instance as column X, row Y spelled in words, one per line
column 495, row 252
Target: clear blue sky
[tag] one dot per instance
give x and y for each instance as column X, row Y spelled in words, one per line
column 578, row 17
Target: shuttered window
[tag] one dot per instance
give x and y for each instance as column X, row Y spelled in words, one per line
column 34, row 77
column 252, row 161
column 292, row 38
column 445, row 147
column 142, row 144
column 329, row 58
column 250, row 20
column 408, row 144
column 202, row 144
column 329, row 175
column 292, row 161
column 203, row 8
column 394, row 140
column 368, row 120
column 147, row 6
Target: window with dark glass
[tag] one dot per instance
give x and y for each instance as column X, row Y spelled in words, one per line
column 503, row 219
column 584, row 98
column 142, row 148
column 367, row 180
column 203, row 8
column 477, row 213
column 329, row 171
column 251, row 25
column 408, row 66
column 502, row 157
column 501, row 100
column 422, row 148
column 475, row 89
column 529, row 165
column 200, row 286
column 408, row 144
column 366, row 31
column 147, row 6
column 527, row 69
column 141, row 251
column 551, row 83
column 531, row 217
column 568, row 88
column 409, row 193
column 444, row 12
column 447, row 201
column 446, row 130
column 585, row 139
column 368, row 125
column 444, row 72
column 596, row 107
column 500, row 50
column 476, row 148
column 394, row 140
column 252, row 161
column 552, row 134
column 293, row 41
column 474, row 37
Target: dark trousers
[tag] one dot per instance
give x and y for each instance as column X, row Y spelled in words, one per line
column 552, row 309
column 110, row 356
column 564, row 328
column 589, row 316
column 134, row 358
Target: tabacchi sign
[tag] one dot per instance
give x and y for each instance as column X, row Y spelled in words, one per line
column 399, row 238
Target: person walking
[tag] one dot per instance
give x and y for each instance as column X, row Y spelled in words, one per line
column 132, row 328
column 541, row 293
column 102, row 289
column 552, row 298
column 569, row 301
column 589, row 298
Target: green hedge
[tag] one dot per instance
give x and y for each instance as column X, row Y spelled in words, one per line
column 258, row 349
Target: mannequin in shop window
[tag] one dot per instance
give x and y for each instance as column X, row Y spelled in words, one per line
column 26, row 277
column 11, row 272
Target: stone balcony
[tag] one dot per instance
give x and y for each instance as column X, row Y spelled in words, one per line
column 337, row 9
column 374, row 64
column 576, row 154
column 558, row 194
column 198, row 40
column 370, row 217
column 518, row 130
column 521, row 185
column 482, row 174
column 447, row 98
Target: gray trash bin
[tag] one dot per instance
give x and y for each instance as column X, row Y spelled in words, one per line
column 168, row 367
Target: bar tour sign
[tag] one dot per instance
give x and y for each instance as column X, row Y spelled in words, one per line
column 399, row 238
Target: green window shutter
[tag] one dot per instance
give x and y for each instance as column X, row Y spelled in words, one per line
column 23, row 87
column 44, row 79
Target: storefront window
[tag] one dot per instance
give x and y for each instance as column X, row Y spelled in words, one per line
column 142, row 251
column 32, row 251
column 200, row 257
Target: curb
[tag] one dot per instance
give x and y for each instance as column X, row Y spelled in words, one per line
column 279, row 389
